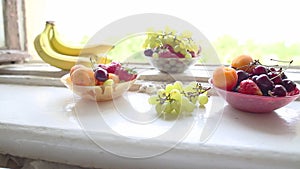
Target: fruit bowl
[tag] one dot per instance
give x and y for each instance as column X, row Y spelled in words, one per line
column 172, row 65
column 254, row 103
column 97, row 93
column 170, row 51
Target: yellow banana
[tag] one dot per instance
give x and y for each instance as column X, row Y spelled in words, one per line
column 61, row 47
column 45, row 51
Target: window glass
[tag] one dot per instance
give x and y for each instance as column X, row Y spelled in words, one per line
column 2, row 37
column 263, row 29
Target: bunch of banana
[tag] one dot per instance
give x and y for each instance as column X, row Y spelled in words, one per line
column 54, row 51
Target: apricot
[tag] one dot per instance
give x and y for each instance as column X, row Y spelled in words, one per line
column 225, row 78
column 242, row 62
column 83, row 76
column 75, row 67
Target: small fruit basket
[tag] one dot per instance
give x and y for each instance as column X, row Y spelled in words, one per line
column 171, row 52
column 249, row 86
column 104, row 82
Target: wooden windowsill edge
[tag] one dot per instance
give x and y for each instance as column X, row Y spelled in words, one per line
column 9, row 56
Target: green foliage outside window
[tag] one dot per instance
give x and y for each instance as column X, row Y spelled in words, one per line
column 226, row 47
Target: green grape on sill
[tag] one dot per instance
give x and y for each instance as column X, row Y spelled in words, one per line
column 176, row 98
column 202, row 99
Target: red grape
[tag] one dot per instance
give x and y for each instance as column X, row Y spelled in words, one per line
column 148, row 52
column 170, row 48
column 167, row 54
column 113, row 66
column 125, row 74
column 101, row 74
column 178, row 54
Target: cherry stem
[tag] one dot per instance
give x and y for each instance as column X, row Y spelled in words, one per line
column 255, row 62
column 197, row 92
column 283, row 61
column 162, row 100
column 282, row 71
column 277, row 76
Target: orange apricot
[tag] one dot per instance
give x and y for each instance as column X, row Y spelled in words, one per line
column 225, row 78
column 75, row 67
column 242, row 62
column 83, row 77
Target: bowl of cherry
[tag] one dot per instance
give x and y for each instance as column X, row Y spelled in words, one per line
column 255, row 103
column 257, row 89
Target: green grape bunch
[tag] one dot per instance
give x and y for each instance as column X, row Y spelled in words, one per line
column 176, row 99
column 170, row 44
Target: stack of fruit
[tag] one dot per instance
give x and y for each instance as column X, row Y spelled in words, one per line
column 53, row 50
column 249, row 86
column 102, row 82
column 102, row 74
column 249, row 76
column 171, row 52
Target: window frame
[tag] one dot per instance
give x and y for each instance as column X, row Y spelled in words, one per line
column 15, row 49
column 13, row 29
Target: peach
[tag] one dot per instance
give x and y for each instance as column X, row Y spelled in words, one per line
column 242, row 62
column 83, row 76
column 225, row 78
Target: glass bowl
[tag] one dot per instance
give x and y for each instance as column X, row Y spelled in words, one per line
column 254, row 103
column 97, row 93
column 172, row 65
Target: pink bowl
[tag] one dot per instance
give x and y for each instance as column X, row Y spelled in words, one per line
column 254, row 103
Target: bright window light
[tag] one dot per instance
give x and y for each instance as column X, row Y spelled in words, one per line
column 264, row 29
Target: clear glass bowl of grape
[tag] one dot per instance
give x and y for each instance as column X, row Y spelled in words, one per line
column 168, row 62
column 171, row 51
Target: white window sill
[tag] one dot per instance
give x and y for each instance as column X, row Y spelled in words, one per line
column 38, row 122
